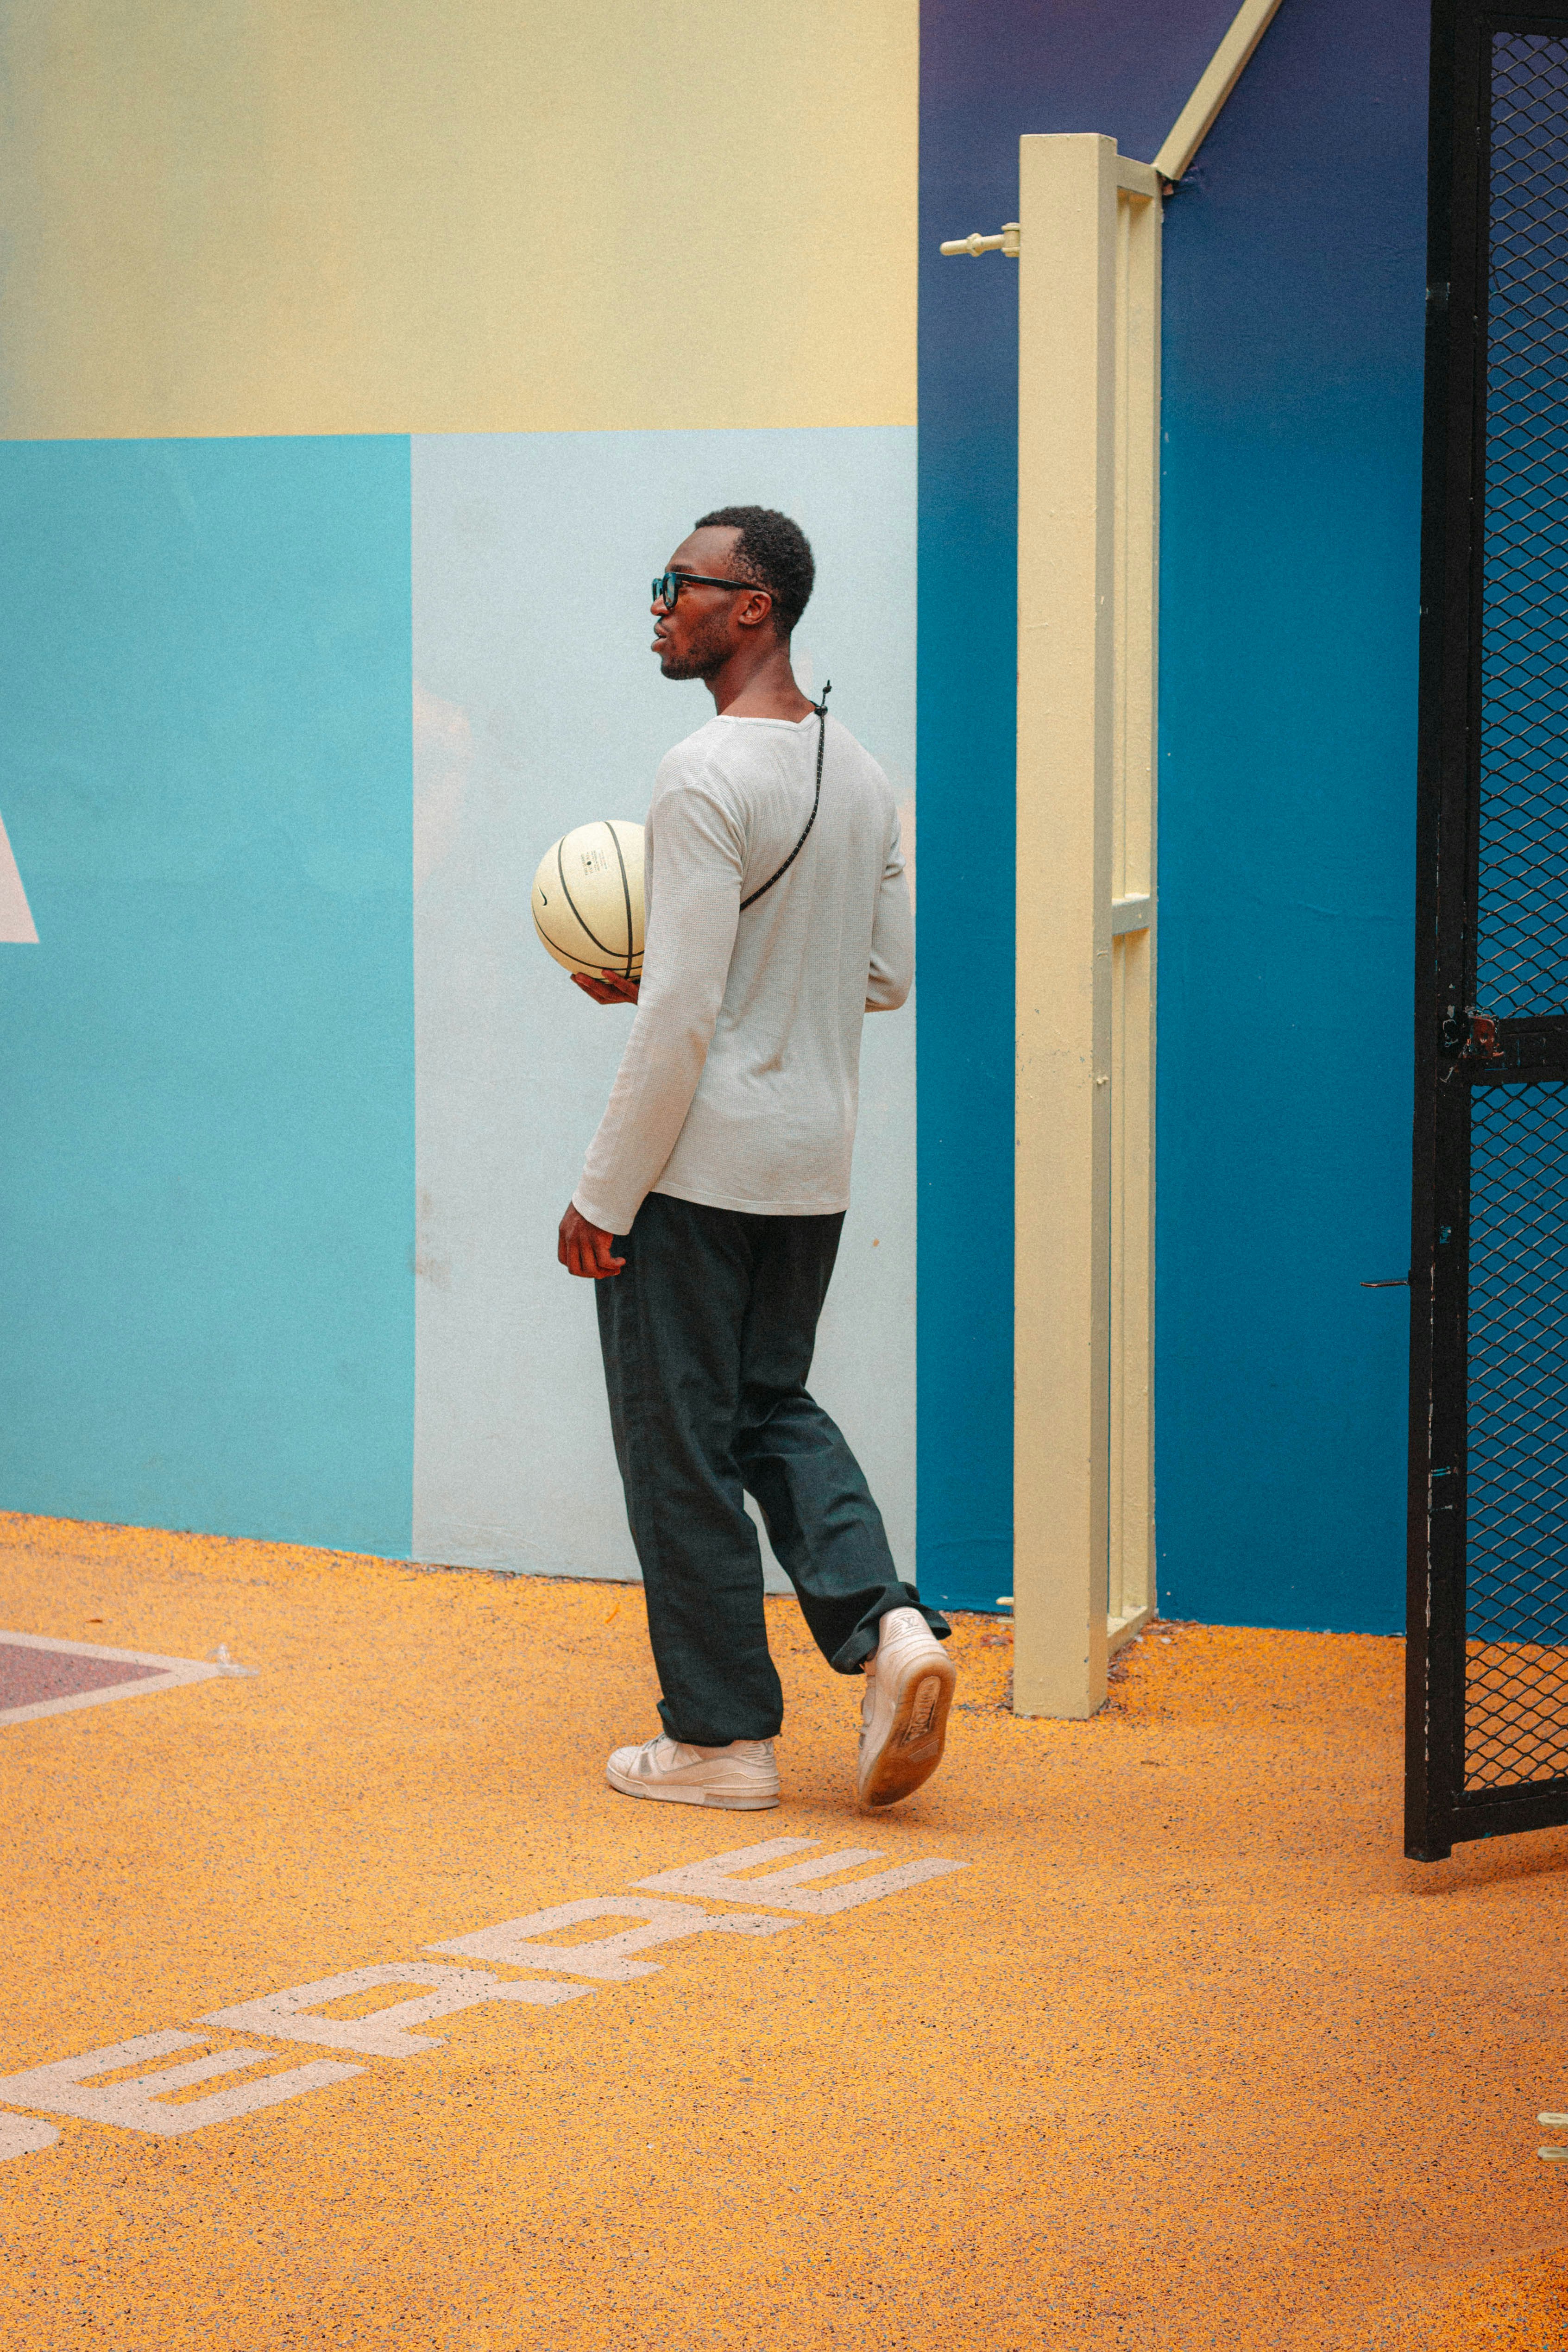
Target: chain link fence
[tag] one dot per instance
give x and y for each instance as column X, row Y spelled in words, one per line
column 1516, row 1684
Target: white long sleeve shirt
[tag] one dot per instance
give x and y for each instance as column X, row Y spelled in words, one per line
column 738, row 1085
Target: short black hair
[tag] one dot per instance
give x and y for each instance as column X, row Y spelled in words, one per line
column 774, row 552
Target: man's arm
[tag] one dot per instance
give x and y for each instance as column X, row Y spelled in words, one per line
column 892, row 972
column 694, row 906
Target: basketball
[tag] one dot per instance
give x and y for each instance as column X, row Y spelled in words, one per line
column 587, row 899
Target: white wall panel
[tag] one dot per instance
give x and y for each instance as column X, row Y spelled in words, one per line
column 537, row 706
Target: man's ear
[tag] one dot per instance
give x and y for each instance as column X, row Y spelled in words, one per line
column 760, row 598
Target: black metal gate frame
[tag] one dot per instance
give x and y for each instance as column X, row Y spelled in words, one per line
column 1457, row 1048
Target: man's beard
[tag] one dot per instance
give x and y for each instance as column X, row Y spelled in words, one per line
column 706, row 653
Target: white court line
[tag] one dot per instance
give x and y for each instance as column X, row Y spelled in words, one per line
column 25, row 2135
column 385, row 2033
column 609, row 1956
column 783, row 1890
column 66, row 2086
column 172, row 1671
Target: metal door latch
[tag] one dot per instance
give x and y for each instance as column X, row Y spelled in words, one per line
column 974, row 244
column 1472, row 1038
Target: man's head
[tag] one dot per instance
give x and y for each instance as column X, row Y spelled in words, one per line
column 769, row 559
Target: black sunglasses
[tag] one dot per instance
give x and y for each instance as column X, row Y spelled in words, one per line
column 666, row 588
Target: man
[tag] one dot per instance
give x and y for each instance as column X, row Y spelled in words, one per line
column 711, row 1202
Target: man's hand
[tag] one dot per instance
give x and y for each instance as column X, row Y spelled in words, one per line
column 583, row 1248
column 586, row 1249
column 614, row 989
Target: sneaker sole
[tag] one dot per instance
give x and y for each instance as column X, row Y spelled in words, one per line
column 912, row 1749
column 690, row 1796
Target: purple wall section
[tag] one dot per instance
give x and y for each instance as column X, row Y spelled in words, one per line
column 1293, row 316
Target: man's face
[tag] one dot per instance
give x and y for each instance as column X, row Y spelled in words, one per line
column 707, row 624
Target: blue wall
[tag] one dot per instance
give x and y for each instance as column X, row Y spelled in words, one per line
column 1294, row 284
column 990, row 70
column 206, row 1168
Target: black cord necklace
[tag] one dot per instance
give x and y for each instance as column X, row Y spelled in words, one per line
column 821, row 710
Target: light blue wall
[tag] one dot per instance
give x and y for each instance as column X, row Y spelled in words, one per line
column 207, row 1156
column 540, row 706
column 214, row 1059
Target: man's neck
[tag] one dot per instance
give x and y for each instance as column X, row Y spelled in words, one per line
column 758, row 684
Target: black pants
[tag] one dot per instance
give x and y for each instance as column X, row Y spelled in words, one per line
column 706, row 1335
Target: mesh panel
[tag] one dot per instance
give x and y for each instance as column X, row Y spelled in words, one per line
column 1516, row 1663
column 1522, row 901
column 1516, row 1678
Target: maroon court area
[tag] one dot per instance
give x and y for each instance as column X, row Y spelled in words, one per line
column 29, row 1675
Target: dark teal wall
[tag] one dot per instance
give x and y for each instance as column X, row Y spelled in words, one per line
column 1293, row 313
column 206, row 1163
column 1295, row 291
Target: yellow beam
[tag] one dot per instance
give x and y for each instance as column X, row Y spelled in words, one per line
column 1225, row 69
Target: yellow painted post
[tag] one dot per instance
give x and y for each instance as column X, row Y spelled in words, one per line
column 1066, row 554
column 1131, row 1597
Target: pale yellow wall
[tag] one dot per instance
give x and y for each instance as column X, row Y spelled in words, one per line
column 456, row 215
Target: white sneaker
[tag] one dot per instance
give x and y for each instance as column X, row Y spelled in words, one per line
column 742, row 1777
column 903, row 1716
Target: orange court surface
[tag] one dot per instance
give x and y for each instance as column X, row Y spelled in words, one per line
column 1183, row 2054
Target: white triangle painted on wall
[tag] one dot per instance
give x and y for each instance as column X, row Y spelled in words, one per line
column 17, row 924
